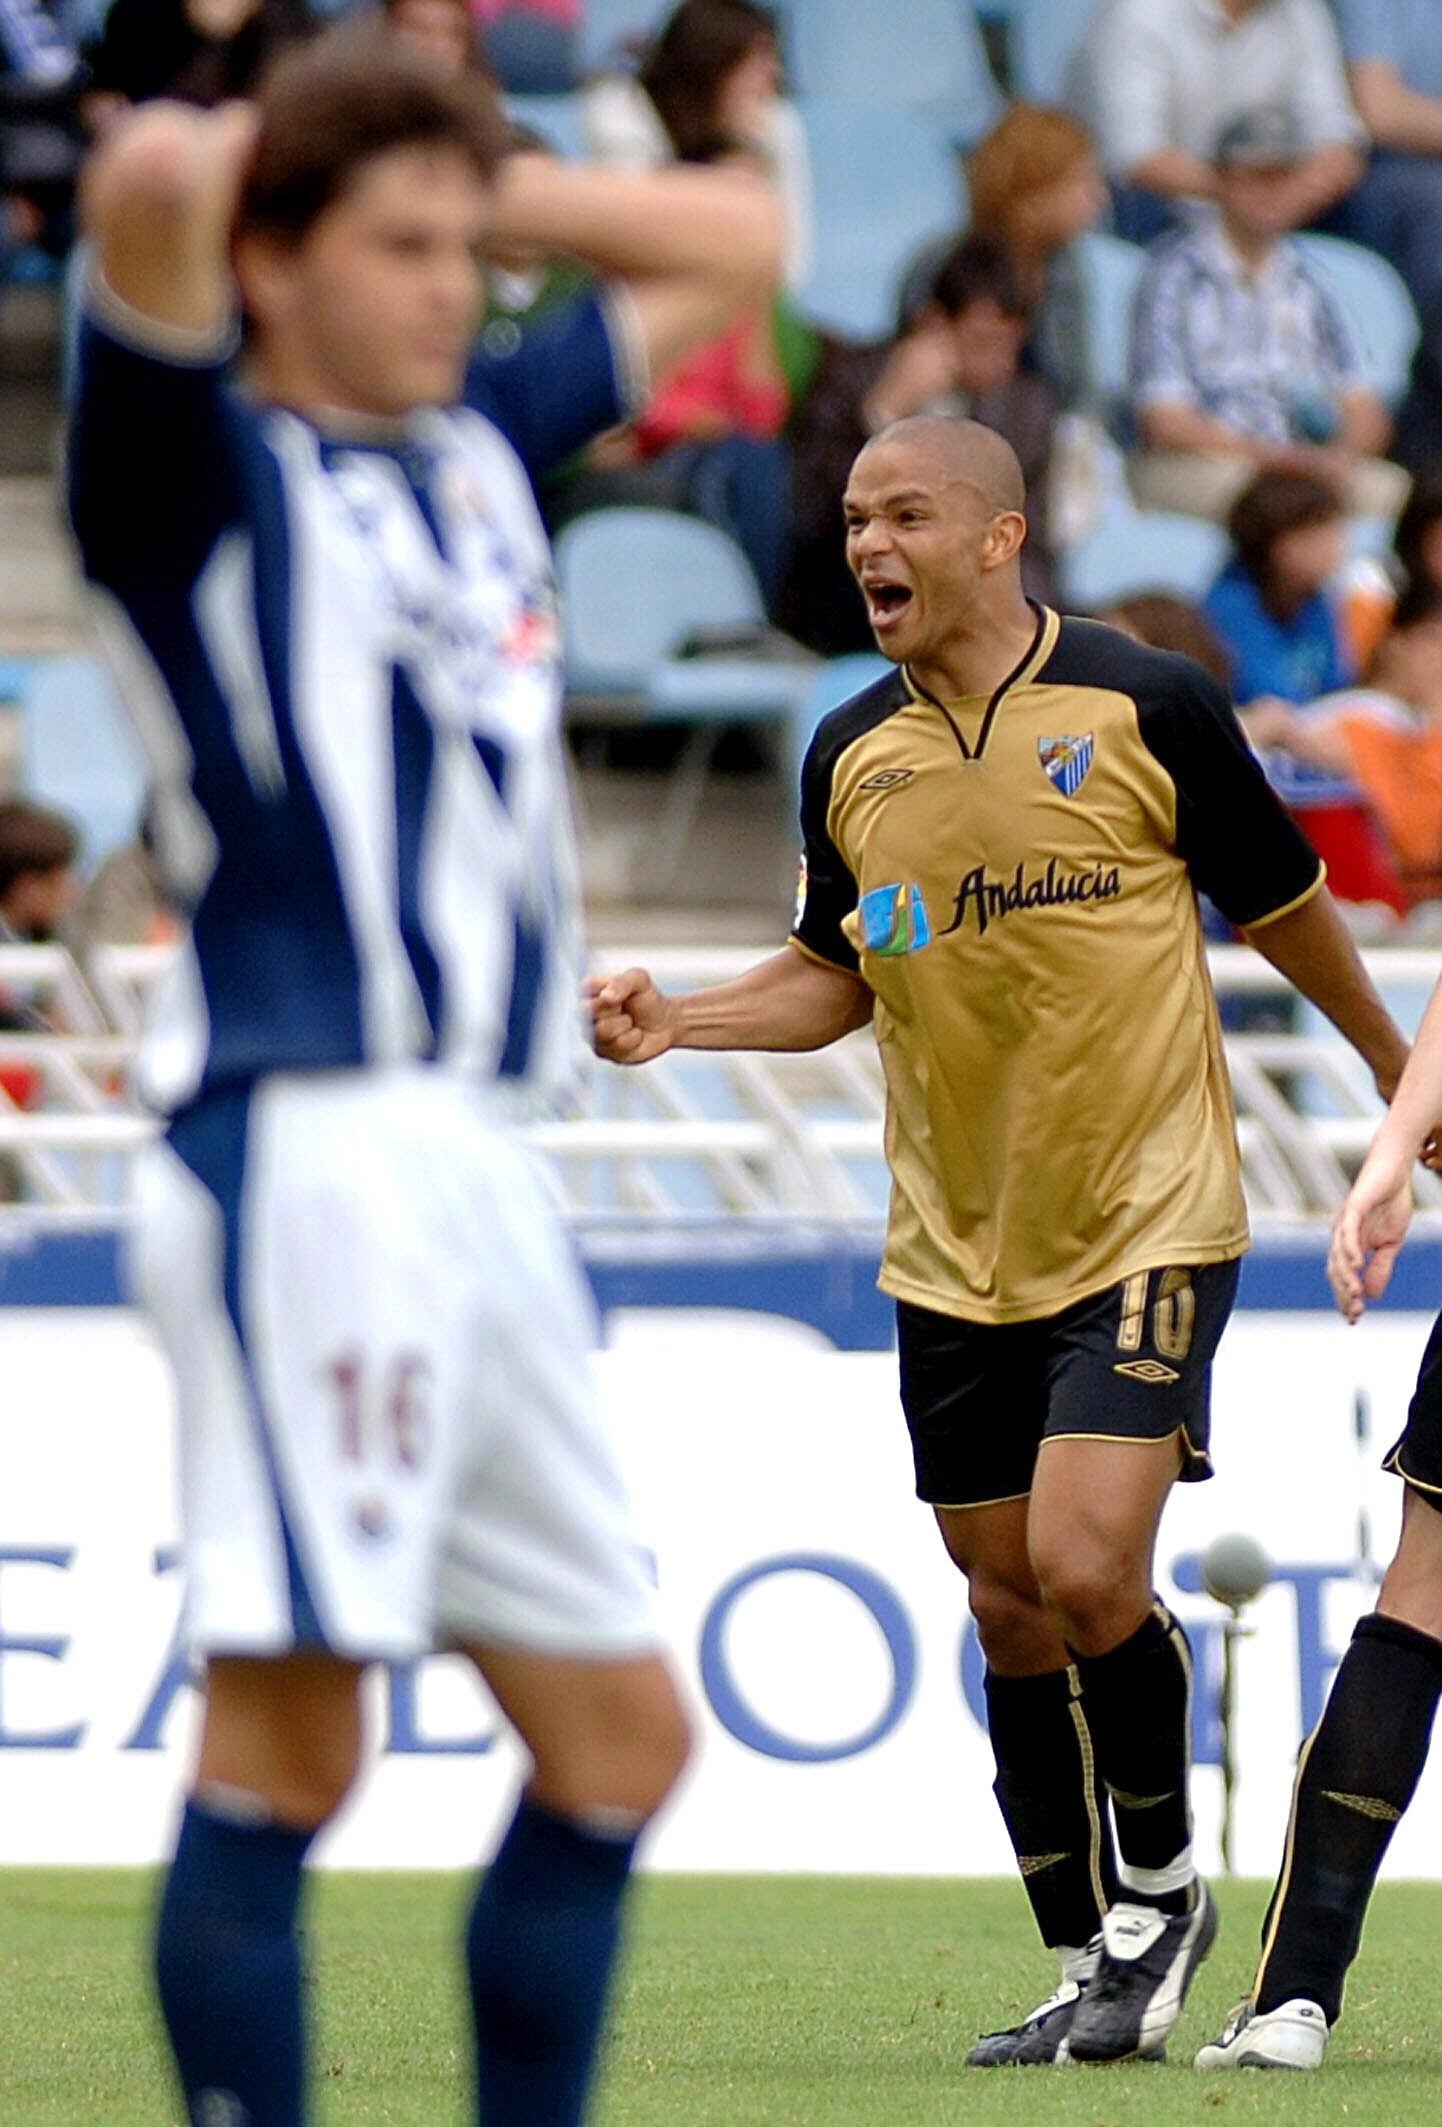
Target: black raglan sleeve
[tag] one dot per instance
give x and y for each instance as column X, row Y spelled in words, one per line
column 827, row 892
column 1241, row 846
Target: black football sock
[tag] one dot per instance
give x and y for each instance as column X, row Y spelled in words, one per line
column 1357, row 1774
column 1047, row 1788
column 1138, row 1704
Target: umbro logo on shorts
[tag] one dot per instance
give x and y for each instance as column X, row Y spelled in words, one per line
column 889, row 779
column 1147, row 1370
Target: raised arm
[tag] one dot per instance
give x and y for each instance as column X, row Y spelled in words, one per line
column 153, row 465
column 692, row 247
column 158, row 201
column 790, row 1002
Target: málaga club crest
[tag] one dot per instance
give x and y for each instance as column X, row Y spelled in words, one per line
column 1066, row 761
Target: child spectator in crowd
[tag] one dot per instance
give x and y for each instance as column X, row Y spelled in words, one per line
column 1275, row 608
column 1386, row 738
column 712, row 79
column 1272, row 605
column 39, row 888
column 1241, row 356
column 961, row 355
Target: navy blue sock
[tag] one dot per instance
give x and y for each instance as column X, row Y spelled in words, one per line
column 227, row 1967
column 540, row 1947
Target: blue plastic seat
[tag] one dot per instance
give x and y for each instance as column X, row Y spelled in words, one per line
column 885, row 183
column 612, row 30
column 79, row 755
column 636, row 586
column 1376, row 299
column 1135, row 550
column 1042, row 37
column 1111, row 271
column 916, row 55
column 836, row 682
column 557, row 119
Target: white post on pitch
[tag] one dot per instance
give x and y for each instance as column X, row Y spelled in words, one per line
column 1235, row 1570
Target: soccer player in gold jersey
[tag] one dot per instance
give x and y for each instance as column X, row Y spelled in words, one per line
column 1004, row 844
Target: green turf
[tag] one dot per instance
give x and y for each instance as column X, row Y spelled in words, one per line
column 750, row 2002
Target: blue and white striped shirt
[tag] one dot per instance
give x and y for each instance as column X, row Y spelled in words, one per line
column 341, row 649
column 1270, row 354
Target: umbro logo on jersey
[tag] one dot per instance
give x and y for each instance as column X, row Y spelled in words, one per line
column 1147, row 1370
column 1066, row 761
column 889, row 779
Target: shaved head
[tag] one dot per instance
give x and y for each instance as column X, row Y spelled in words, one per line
column 960, row 450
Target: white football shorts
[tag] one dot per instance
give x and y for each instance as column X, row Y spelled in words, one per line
column 390, row 1434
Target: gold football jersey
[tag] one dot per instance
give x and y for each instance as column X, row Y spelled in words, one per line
column 1017, row 879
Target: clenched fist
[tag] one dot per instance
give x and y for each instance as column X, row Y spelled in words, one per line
column 631, row 1022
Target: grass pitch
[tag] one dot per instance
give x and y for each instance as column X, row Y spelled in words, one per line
column 749, row 2002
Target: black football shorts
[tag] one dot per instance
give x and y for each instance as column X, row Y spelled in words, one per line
column 1131, row 1363
column 1417, row 1456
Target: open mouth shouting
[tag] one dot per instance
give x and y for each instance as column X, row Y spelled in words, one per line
column 887, row 602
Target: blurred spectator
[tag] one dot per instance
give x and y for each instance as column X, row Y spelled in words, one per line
column 41, row 138
column 1272, row 604
column 531, row 44
column 1157, row 82
column 39, row 888
column 1417, row 542
column 1419, row 418
column 960, row 355
column 1036, row 185
column 1242, row 357
column 1394, row 54
column 1275, row 609
column 707, row 444
column 1387, row 739
column 1164, row 621
column 201, row 51
column 444, row 28
column 126, row 903
column 712, row 79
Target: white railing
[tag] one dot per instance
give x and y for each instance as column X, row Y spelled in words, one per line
column 752, row 1137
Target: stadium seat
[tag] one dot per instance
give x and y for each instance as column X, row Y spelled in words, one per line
column 78, row 754
column 1042, row 38
column 885, row 182
column 838, row 679
column 640, row 586
column 1111, row 274
column 557, row 119
column 612, row 30
column 925, row 54
column 1375, row 298
column 1143, row 550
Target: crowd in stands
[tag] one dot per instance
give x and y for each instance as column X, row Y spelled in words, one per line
column 1225, row 136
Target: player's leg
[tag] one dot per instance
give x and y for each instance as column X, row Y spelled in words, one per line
column 279, row 1749
column 543, row 1579
column 1129, row 1411
column 1356, row 1777
column 296, row 1297
column 607, row 1742
column 974, row 1401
